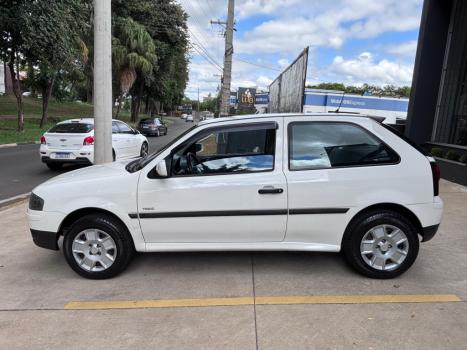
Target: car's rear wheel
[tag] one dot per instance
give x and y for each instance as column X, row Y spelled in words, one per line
column 98, row 246
column 54, row 166
column 144, row 149
column 381, row 244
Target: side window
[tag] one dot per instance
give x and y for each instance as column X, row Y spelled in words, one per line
column 124, row 129
column 157, row 122
column 227, row 151
column 115, row 129
column 317, row 145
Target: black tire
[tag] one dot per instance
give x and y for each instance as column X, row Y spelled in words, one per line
column 54, row 166
column 158, row 133
column 144, row 150
column 115, row 229
column 113, row 156
column 362, row 224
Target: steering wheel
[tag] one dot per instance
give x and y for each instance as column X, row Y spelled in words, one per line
column 191, row 162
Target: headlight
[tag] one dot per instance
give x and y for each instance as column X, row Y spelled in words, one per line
column 36, row 202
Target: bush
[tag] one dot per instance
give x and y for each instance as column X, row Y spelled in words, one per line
column 453, row 155
column 463, row 159
column 437, row 152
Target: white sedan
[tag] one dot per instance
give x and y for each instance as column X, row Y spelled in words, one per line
column 72, row 141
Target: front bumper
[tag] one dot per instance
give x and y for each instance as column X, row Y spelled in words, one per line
column 44, row 226
column 45, row 239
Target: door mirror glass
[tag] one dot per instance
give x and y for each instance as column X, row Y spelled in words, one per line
column 161, row 169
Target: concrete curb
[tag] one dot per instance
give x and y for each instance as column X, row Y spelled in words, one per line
column 19, row 144
column 5, row 203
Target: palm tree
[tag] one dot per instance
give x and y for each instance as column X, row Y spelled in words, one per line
column 134, row 56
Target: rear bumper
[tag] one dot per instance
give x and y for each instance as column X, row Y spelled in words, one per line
column 79, row 160
column 429, row 232
column 45, row 239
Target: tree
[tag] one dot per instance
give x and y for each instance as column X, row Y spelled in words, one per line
column 133, row 53
column 165, row 21
column 52, row 35
column 387, row 90
column 11, row 47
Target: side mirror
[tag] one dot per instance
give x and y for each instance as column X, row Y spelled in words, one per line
column 161, row 169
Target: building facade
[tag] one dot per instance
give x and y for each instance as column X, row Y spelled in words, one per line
column 438, row 105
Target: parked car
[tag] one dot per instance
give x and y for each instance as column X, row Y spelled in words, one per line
column 152, row 127
column 184, row 115
column 189, row 118
column 308, row 182
column 72, row 141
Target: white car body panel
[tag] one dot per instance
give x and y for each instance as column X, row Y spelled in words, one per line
column 127, row 195
column 214, row 193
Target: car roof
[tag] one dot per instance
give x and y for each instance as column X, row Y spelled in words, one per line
column 84, row 121
column 332, row 116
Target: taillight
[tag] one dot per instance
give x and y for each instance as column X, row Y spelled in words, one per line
column 435, row 171
column 89, row 140
column 43, row 142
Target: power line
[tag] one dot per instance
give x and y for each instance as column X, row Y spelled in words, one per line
column 202, row 47
column 258, row 65
column 202, row 54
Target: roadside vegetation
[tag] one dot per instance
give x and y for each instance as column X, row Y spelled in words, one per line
column 47, row 47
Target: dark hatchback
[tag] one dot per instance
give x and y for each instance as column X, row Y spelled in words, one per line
column 152, row 127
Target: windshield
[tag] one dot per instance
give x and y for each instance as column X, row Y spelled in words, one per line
column 72, row 128
column 140, row 163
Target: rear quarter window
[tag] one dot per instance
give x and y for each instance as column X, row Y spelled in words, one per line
column 72, row 128
column 318, row 145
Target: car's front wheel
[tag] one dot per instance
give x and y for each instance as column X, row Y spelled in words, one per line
column 381, row 244
column 98, row 246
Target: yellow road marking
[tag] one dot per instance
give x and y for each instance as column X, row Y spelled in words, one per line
column 281, row 300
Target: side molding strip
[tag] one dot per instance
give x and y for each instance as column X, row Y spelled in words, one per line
column 318, row 211
column 199, row 214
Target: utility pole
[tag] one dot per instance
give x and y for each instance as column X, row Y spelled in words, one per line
column 102, row 96
column 227, row 76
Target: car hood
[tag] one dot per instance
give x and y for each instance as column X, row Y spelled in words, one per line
column 92, row 173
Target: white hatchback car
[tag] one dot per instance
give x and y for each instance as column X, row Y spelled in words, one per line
column 319, row 182
column 72, row 141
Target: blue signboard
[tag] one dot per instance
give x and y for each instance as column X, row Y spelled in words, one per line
column 360, row 102
column 261, row 99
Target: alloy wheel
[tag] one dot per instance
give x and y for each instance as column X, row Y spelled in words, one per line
column 94, row 250
column 384, row 247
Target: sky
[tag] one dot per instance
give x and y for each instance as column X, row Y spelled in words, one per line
column 351, row 41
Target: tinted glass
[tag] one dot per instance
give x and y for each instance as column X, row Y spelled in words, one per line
column 72, row 128
column 227, row 151
column 317, row 145
column 125, row 129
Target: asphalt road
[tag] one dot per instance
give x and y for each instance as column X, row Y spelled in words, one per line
column 21, row 168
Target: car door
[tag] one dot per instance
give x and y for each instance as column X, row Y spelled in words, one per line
column 333, row 168
column 129, row 140
column 118, row 141
column 226, row 185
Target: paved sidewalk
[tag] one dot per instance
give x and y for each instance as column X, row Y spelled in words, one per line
column 36, row 285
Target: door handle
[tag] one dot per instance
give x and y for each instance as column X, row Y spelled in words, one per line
column 270, row 190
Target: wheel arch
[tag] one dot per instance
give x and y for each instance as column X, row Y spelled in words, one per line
column 398, row 208
column 79, row 213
